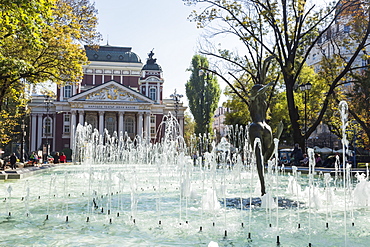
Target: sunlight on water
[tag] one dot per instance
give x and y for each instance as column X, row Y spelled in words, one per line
column 123, row 192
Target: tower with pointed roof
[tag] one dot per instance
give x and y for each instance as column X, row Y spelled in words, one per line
column 151, row 80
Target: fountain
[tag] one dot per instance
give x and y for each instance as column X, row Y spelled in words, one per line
column 123, row 192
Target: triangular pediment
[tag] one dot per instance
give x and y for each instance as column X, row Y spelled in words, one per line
column 111, row 91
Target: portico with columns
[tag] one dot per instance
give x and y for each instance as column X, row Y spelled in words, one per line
column 129, row 101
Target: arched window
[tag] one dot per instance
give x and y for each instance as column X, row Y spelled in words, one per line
column 67, row 91
column 129, row 125
column 110, row 123
column 92, row 120
column 47, row 126
column 153, row 93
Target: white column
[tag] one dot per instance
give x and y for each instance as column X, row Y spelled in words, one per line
column 61, row 97
column 140, row 124
column 120, row 123
column 158, row 92
column 147, row 90
column 81, row 117
column 147, row 125
column 40, row 126
column 72, row 129
column 101, row 122
column 33, row 133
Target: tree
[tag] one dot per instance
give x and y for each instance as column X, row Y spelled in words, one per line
column 47, row 48
column 24, row 20
column 203, row 93
column 359, row 103
column 13, row 110
column 188, row 128
column 288, row 31
column 41, row 41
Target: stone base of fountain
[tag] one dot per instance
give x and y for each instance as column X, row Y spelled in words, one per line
column 20, row 173
column 256, row 202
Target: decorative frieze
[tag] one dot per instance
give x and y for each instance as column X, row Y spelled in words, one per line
column 111, row 93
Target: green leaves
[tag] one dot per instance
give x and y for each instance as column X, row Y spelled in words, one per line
column 42, row 40
column 203, row 93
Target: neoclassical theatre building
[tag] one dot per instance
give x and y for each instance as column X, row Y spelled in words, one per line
column 118, row 93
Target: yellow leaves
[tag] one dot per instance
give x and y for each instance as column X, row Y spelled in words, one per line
column 301, row 6
column 24, row 19
column 51, row 49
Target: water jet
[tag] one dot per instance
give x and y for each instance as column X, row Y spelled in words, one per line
column 223, row 193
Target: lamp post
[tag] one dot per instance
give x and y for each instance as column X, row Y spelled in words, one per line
column 47, row 128
column 305, row 88
column 176, row 97
column 23, row 126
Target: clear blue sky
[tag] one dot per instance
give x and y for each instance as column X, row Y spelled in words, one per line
column 147, row 24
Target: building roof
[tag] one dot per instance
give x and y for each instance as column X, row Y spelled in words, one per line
column 151, row 63
column 109, row 53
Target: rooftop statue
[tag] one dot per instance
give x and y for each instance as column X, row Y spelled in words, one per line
column 151, row 60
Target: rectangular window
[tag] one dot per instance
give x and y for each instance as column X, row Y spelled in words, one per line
column 152, row 120
column 67, row 91
column 129, row 125
column 47, row 126
column 66, row 129
column 67, row 123
column 153, row 93
column 152, row 130
column 67, row 118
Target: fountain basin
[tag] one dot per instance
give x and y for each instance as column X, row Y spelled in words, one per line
column 151, row 205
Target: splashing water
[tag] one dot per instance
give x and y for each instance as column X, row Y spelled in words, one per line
column 123, row 190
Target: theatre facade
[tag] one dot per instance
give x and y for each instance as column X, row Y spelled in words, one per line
column 117, row 93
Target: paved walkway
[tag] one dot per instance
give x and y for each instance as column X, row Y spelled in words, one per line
column 23, row 172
